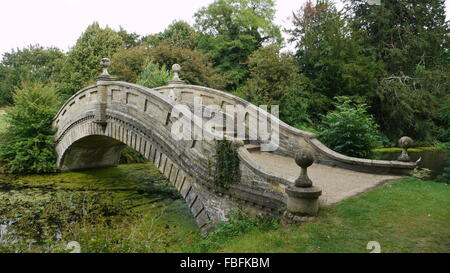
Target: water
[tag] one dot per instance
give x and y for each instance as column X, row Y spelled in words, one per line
column 436, row 160
column 157, row 209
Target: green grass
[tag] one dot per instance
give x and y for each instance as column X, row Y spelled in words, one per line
column 405, row 216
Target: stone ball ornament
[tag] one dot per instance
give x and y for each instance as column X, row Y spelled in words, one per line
column 304, row 158
column 176, row 68
column 404, row 143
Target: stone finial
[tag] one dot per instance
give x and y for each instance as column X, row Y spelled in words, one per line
column 302, row 197
column 176, row 68
column 404, row 143
column 105, row 63
column 304, row 158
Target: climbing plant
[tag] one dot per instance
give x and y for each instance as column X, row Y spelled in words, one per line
column 227, row 164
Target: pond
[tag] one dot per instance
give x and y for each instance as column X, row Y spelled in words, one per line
column 129, row 208
column 431, row 158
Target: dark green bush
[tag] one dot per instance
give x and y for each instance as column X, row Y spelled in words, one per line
column 27, row 141
column 349, row 129
column 227, row 164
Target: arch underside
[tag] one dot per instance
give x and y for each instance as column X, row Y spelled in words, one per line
column 87, row 144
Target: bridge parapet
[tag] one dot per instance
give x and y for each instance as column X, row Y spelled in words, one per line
column 97, row 122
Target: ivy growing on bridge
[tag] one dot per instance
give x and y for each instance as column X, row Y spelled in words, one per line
column 227, row 164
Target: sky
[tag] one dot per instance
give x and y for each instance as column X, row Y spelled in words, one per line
column 60, row 22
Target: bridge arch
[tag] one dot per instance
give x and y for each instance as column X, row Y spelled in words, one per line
column 98, row 121
column 91, row 135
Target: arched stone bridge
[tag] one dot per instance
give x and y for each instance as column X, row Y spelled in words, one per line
column 96, row 123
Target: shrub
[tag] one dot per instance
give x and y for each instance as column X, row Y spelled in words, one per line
column 154, row 76
column 227, row 164
column 27, row 142
column 349, row 129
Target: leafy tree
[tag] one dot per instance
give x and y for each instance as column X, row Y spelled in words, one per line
column 196, row 67
column 232, row 30
column 154, row 76
column 403, row 34
column 413, row 105
column 82, row 64
column 32, row 64
column 130, row 39
column 179, row 34
column 349, row 129
column 275, row 80
column 128, row 64
column 329, row 55
column 27, row 143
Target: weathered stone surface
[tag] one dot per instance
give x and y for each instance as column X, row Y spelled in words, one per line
column 97, row 122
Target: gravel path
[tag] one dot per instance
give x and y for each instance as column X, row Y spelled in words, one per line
column 337, row 184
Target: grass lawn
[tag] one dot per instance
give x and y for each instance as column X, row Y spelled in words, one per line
column 404, row 216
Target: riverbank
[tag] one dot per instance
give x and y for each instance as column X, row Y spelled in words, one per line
column 132, row 208
column 410, row 215
column 129, row 208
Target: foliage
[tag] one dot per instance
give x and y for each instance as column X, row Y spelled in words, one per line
column 445, row 177
column 128, row 64
column 232, row 30
column 154, row 76
column 130, row 39
column 238, row 224
column 83, row 62
column 275, row 79
column 413, row 106
column 349, row 129
column 178, row 34
column 422, row 173
column 226, row 169
column 329, row 55
column 196, row 67
column 27, row 144
column 31, row 64
column 403, row 34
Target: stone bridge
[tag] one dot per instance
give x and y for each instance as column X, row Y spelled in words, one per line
column 96, row 123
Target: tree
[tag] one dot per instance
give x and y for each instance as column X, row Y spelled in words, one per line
column 154, row 76
column 232, row 30
column 128, row 64
column 275, row 80
column 411, row 39
column 179, row 34
column 196, row 67
column 329, row 55
column 403, row 34
column 31, row 64
column 130, row 39
column 28, row 143
column 82, row 64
